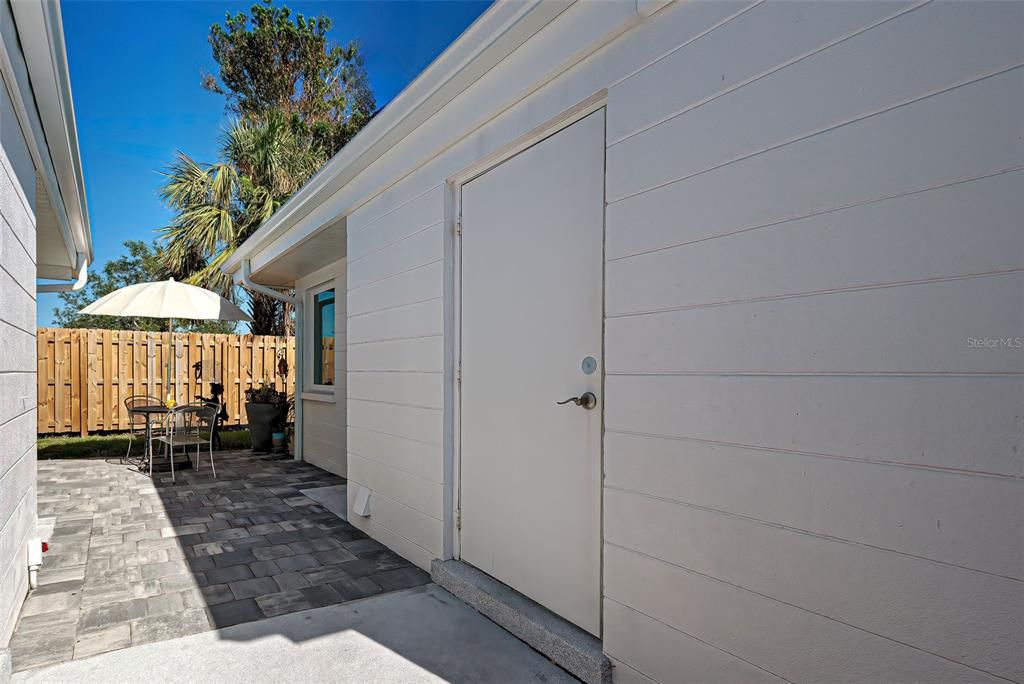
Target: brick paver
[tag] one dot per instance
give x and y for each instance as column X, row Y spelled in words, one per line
column 134, row 560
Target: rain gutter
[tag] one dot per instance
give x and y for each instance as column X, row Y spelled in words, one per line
column 81, row 268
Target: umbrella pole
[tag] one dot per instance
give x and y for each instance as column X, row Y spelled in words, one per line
column 171, row 384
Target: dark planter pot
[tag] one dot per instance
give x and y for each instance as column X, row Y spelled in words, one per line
column 264, row 420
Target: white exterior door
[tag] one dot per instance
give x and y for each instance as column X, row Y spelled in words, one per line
column 532, row 291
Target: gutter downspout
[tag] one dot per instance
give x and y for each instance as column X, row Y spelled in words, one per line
column 296, row 302
column 81, row 267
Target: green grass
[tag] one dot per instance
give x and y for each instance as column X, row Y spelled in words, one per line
column 115, row 445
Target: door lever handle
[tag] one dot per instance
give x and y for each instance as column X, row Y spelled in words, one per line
column 586, row 400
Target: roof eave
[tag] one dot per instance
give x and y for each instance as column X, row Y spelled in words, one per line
column 46, row 62
column 495, row 34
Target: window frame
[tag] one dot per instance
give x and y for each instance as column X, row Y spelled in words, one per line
column 317, row 391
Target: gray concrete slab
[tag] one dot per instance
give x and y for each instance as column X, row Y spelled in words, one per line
column 565, row 643
column 5, row 665
column 416, row 635
column 334, row 499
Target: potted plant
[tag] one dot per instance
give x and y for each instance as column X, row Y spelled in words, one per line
column 290, row 434
column 266, row 410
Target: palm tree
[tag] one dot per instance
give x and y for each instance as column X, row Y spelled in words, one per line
column 217, row 206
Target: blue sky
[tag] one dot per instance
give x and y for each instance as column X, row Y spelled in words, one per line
column 135, row 70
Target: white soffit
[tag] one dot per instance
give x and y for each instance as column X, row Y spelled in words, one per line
column 318, row 249
column 55, row 146
column 53, row 259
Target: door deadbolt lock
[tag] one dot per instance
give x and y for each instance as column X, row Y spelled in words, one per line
column 586, row 400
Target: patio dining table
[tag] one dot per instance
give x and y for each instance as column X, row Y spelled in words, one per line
column 152, row 413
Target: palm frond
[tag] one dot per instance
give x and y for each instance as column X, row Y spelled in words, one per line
column 212, row 278
column 263, row 161
column 188, row 182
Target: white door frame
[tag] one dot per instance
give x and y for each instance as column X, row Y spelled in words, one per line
column 453, row 311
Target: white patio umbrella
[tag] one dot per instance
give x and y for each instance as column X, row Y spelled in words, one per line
column 167, row 299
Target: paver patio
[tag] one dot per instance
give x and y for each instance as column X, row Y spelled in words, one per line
column 134, row 560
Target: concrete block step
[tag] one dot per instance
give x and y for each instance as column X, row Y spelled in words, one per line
column 568, row 646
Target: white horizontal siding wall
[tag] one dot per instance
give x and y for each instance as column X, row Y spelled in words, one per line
column 395, row 300
column 396, row 279
column 810, row 473
column 17, row 364
column 323, row 416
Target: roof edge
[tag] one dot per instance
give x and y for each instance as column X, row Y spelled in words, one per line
column 47, row 64
column 500, row 29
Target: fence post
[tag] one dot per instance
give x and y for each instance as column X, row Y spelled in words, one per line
column 79, row 408
column 42, row 385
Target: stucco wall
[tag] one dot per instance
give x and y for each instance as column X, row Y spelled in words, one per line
column 812, row 467
column 17, row 364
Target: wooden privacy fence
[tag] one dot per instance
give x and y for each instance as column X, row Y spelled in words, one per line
column 85, row 375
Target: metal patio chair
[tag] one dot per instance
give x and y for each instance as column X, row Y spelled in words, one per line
column 189, row 425
column 217, row 390
column 139, row 423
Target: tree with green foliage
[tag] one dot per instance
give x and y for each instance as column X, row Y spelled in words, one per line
column 272, row 64
column 217, row 206
column 142, row 264
column 297, row 99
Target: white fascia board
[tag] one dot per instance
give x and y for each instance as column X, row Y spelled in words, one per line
column 492, row 37
column 41, row 34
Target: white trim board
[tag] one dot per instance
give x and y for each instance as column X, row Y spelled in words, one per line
column 453, row 302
